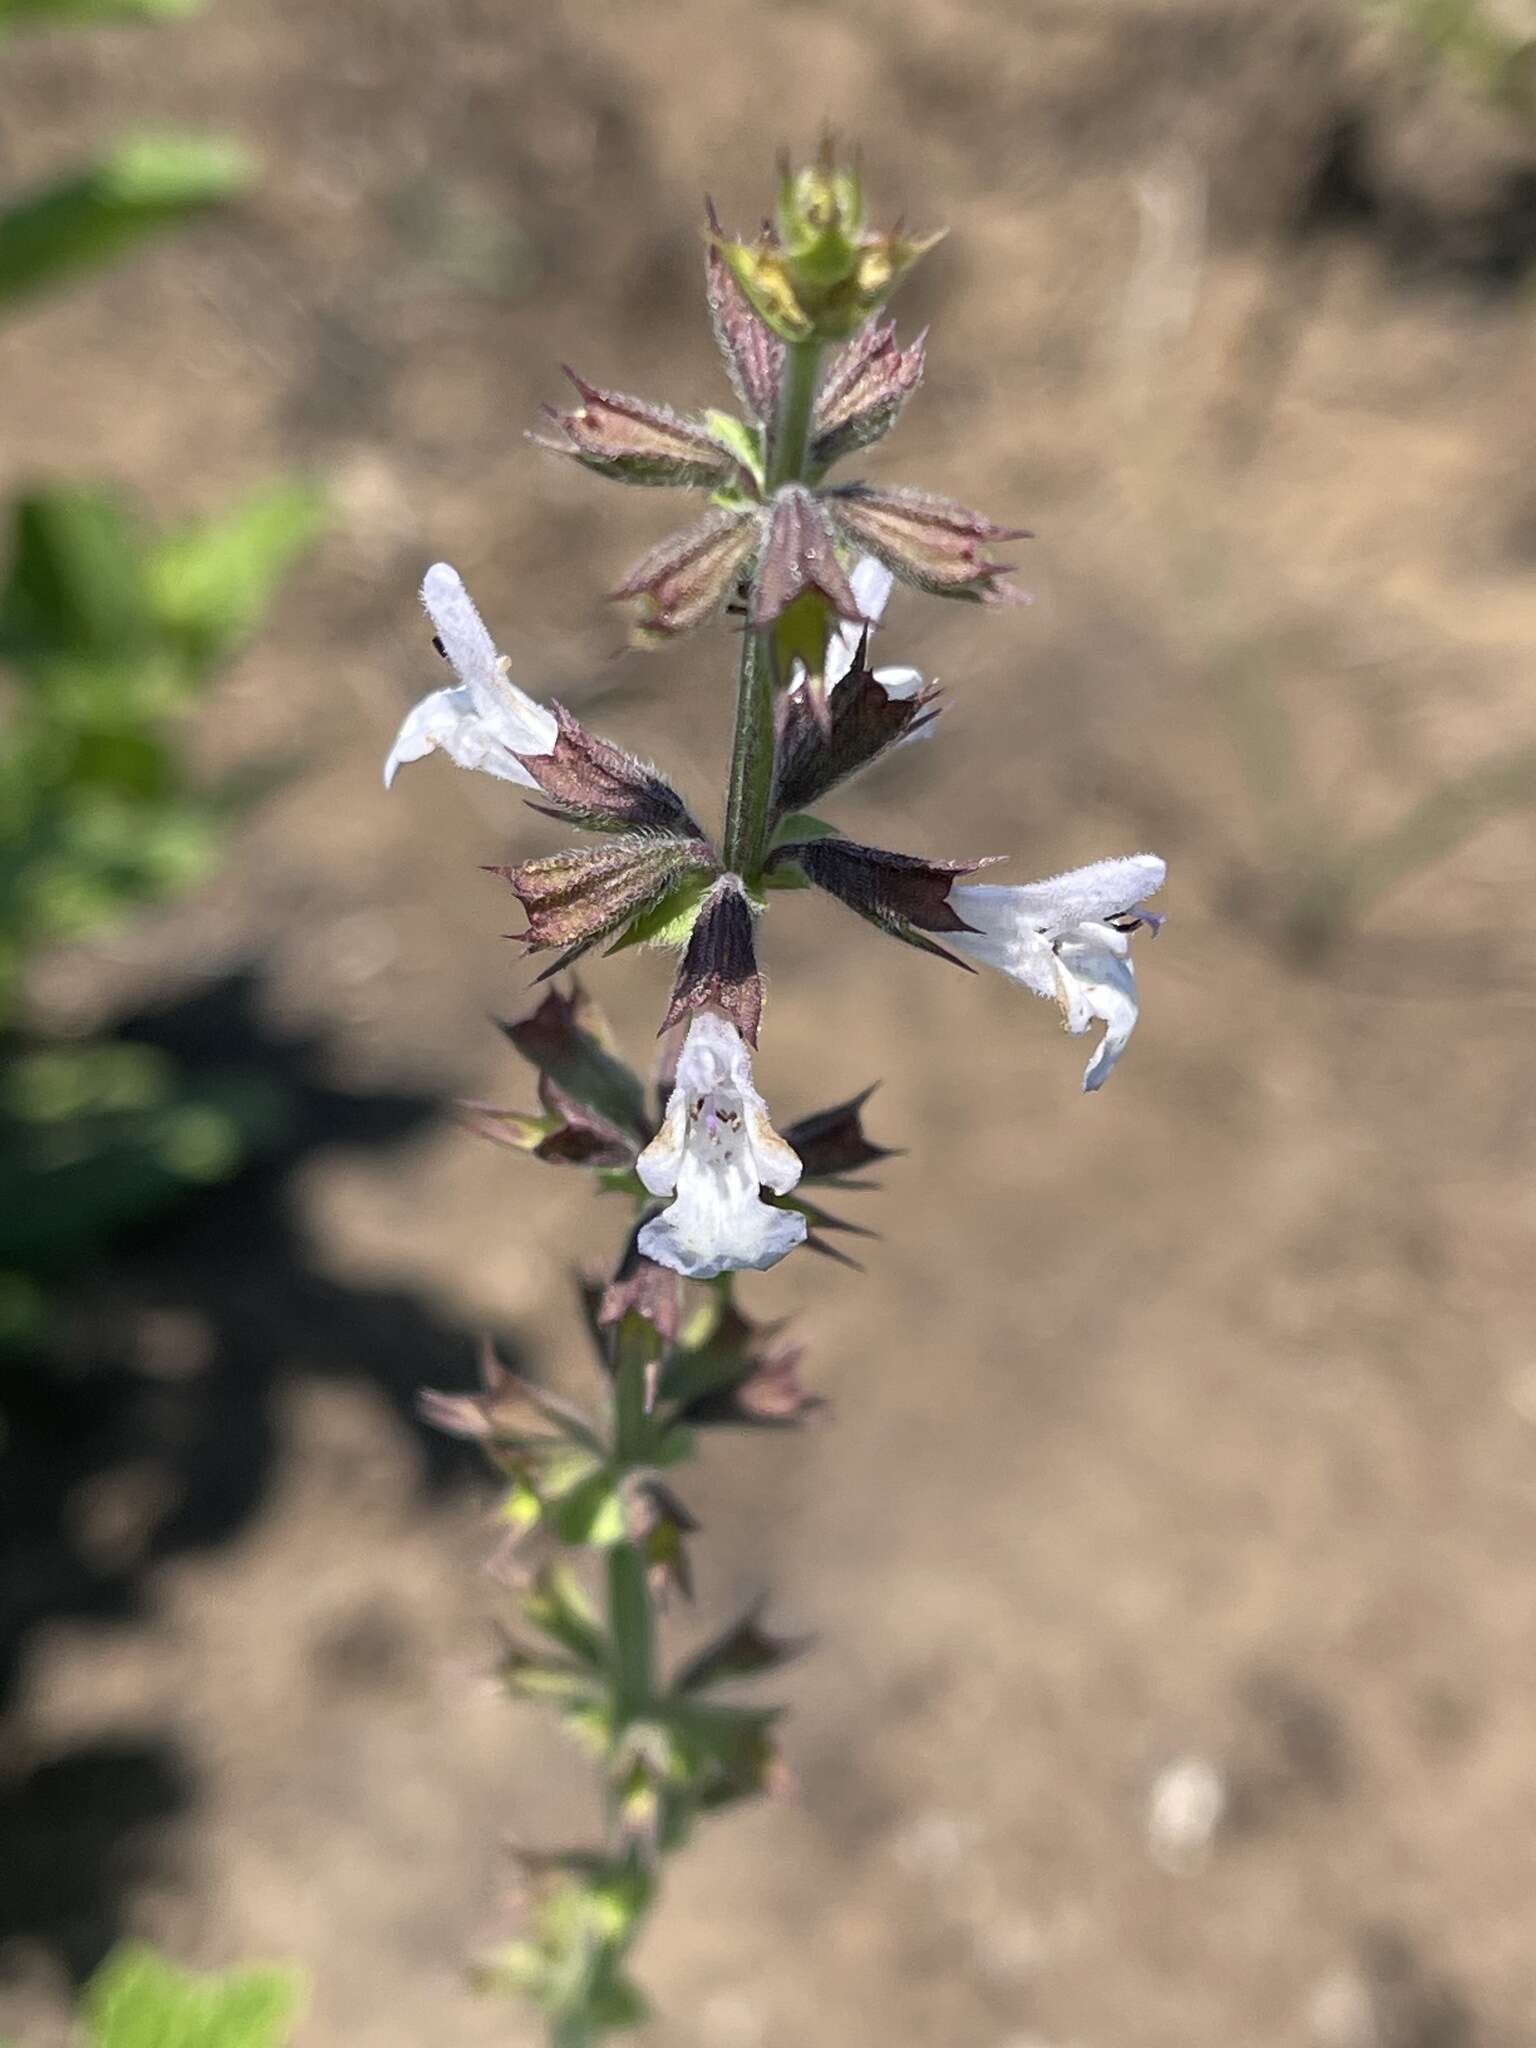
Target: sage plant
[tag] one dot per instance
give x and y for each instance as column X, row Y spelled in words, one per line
column 799, row 567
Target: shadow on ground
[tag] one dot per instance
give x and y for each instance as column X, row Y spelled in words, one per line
column 151, row 1432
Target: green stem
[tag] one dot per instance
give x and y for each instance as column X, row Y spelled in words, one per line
column 749, row 794
column 629, row 1595
column 797, row 403
column 751, row 786
column 629, row 1618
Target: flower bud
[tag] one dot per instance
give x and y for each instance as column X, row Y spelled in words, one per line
column 567, row 1039
column 930, row 542
column 827, row 736
column 594, row 783
column 635, row 442
column 863, row 393
column 817, row 273
column 641, row 1287
column 575, row 898
column 731, row 1376
column 754, row 356
column 686, row 578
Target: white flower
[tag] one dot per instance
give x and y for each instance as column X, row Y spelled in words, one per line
column 483, row 721
column 712, row 1154
column 871, row 582
column 1068, row 938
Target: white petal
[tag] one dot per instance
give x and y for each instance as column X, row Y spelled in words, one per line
column 1001, row 937
column 778, row 1163
column 713, row 1153
column 900, row 683
column 483, row 722
column 448, row 719
column 1106, row 888
column 1099, row 981
column 870, row 582
column 466, row 643
column 658, row 1164
column 757, row 1239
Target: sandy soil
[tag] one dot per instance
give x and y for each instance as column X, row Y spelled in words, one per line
column 1190, row 1425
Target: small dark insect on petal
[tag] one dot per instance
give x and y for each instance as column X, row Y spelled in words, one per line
column 437, row 642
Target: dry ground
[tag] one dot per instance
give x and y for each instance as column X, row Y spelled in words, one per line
column 1193, row 1420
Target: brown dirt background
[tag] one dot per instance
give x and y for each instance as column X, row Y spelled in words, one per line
column 1192, row 1420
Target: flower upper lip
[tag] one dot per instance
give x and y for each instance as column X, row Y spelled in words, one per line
column 484, row 720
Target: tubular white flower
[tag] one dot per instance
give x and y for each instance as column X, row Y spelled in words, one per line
column 1063, row 939
column 712, row 1154
column 484, row 720
column 871, row 582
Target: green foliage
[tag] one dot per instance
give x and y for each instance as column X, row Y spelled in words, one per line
column 139, row 2000
column 1484, row 43
column 63, row 13
column 143, row 185
column 110, row 637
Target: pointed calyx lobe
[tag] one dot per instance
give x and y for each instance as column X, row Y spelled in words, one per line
column 900, row 893
column 636, row 442
column 933, row 543
column 594, row 783
column 799, row 554
column 863, row 393
column 593, row 1107
column 719, row 968
column 823, row 740
column 754, row 357
column 575, row 898
column 686, row 578
column 832, row 1143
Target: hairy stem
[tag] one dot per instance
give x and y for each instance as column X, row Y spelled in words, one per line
column 629, row 1596
column 750, row 790
column 797, row 402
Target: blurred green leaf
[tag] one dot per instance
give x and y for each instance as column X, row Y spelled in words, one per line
column 139, row 2000
column 76, row 582
column 147, row 183
column 557, row 1605
column 58, row 13
column 210, row 583
column 96, row 1136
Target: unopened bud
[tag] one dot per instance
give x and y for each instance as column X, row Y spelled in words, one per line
column 686, row 578
column 863, row 393
column 933, row 543
column 636, row 442
column 594, row 783
column 575, row 898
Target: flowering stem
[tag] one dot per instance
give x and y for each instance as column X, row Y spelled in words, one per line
column 751, row 784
